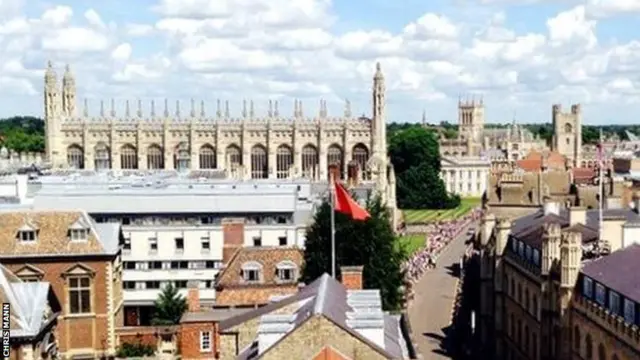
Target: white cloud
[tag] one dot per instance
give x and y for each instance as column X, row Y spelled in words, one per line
column 289, row 48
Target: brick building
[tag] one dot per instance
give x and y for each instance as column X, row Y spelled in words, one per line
column 81, row 261
column 254, row 275
column 323, row 320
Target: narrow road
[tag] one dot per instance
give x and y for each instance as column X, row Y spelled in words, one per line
column 430, row 311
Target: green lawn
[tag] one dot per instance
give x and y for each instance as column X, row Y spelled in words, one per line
column 410, row 243
column 423, row 216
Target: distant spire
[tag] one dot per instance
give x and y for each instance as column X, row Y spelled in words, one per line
column 295, row 108
column 322, row 109
column 101, row 108
column 218, row 109
column 86, row 108
column 276, row 112
column 113, row 108
column 166, row 107
column 177, row 108
column 300, row 111
column 347, row 108
column 126, row 109
column 202, row 112
column 424, row 117
column 193, row 108
column 251, row 110
column 139, row 108
column 244, row 108
column 153, row 108
column 226, row 109
column 270, row 113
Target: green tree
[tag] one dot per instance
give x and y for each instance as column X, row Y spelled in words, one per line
column 368, row 243
column 415, row 155
column 22, row 134
column 170, row 306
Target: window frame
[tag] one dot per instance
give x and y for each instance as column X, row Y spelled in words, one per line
column 614, row 302
column 78, row 235
column 77, row 291
column 27, row 239
column 629, row 308
column 600, row 294
column 205, row 339
column 587, row 287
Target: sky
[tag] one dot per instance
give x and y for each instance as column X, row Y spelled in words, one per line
column 519, row 56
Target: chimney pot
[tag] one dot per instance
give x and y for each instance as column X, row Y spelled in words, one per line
column 352, row 277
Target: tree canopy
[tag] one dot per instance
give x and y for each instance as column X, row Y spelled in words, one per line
column 170, row 306
column 22, row 134
column 415, row 156
column 367, row 243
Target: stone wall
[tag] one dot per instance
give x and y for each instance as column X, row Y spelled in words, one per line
column 12, row 159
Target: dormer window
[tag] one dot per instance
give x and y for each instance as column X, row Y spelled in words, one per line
column 78, row 234
column 27, row 235
column 251, row 272
column 286, row 271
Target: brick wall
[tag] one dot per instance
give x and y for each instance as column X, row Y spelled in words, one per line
column 87, row 332
column 190, row 340
column 233, row 237
column 352, row 277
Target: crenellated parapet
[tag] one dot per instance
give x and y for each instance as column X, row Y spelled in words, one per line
column 613, row 323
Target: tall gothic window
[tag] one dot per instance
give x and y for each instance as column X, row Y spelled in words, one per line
column 568, row 128
column 259, row 162
column 207, row 157
column 284, row 160
column 155, row 157
column 233, row 157
column 335, row 156
column 182, row 157
column 75, row 157
column 128, row 157
column 102, row 157
column 361, row 156
column 310, row 162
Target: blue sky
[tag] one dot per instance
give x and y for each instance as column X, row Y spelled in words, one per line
column 521, row 56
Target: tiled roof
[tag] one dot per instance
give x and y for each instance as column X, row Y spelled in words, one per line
column 533, row 160
column 52, row 228
column 618, row 271
column 233, row 291
column 530, row 228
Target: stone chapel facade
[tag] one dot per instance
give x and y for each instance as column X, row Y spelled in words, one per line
column 249, row 146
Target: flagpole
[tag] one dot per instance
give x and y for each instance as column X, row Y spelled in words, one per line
column 601, row 163
column 333, row 223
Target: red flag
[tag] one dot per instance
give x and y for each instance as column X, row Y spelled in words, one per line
column 345, row 204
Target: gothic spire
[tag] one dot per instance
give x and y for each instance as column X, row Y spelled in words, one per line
column 202, row 112
column 113, row 108
column 218, row 109
column 166, row 107
column 85, row 111
column 270, row 113
column 101, row 108
column 139, row 108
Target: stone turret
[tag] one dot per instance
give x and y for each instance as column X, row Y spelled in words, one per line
column 551, row 239
column 502, row 235
column 488, row 224
column 570, row 258
column 68, row 93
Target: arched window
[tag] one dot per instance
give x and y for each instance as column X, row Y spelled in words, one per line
column 576, row 338
column 128, row 157
column 207, row 157
column 233, row 157
column 526, row 338
column 310, row 162
column 335, row 156
column 589, row 347
column 182, row 157
column 361, row 156
column 259, row 162
column 568, row 128
column 102, row 157
column 155, row 157
column 75, row 157
column 284, row 160
column 602, row 354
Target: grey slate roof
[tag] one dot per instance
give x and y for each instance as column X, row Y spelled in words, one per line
column 618, row 271
column 329, row 298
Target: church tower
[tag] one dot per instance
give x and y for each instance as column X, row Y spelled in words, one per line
column 52, row 116
column 68, row 93
column 567, row 133
column 471, row 119
column 379, row 141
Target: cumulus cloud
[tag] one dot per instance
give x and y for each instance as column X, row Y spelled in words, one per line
column 291, row 49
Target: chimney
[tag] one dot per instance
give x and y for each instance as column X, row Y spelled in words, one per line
column 551, row 207
column 232, row 237
column 352, row 277
column 577, row 215
column 193, row 296
column 551, row 239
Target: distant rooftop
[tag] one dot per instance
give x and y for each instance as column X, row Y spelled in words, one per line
column 618, row 271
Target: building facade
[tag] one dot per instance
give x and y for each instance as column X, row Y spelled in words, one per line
column 245, row 146
column 465, row 176
column 81, row 261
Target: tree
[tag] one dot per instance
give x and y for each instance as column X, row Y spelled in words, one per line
column 170, row 306
column 368, row 243
column 22, row 133
column 415, row 155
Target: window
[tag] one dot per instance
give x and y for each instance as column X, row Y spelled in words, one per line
column 536, row 257
column 205, row 243
column 155, row 265
column 205, row 341
column 128, row 285
column 179, row 265
column 152, row 285
column 629, row 311
column 614, row 302
column 534, row 310
column 602, row 354
column 180, row 284
column 28, row 235
column 282, row 240
column 285, row 274
column 257, row 241
column 127, row 244
column 587, row 287
column 529, row 253
column 79, row 295
column 514, row 245
column 153, row 244
column 600, row 294
column 78, row 234
column 179, row 244
column 520, row 248
column 129, row 265
column 251, row 275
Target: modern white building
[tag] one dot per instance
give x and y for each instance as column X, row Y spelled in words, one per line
column 174, row 223
column 466, row 176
